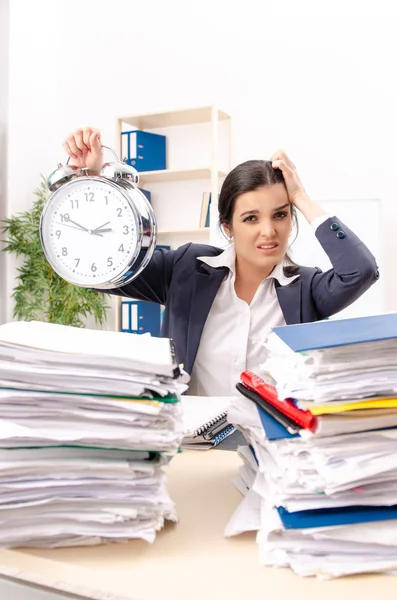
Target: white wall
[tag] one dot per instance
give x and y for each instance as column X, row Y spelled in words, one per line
column 4, row 26
column 321, row 86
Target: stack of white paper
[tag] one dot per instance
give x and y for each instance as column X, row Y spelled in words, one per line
column 59, row 358
column 339, row 373
column 72, row 496
column 324, row 502
column 323, row 474
column 88, row 421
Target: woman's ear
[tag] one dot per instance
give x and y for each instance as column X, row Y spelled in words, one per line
column 227, row 230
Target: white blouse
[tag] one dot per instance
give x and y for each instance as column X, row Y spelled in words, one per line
column 234, row 332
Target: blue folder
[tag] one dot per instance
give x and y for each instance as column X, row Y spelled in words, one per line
column 340, row 332
column 273, row 429
column 144, row 150
column 326, row 517
column 138, row 316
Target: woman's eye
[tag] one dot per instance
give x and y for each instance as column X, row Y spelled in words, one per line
column 249, row 219
column 280, row 215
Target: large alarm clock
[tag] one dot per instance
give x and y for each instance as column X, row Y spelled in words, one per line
column 97, row 231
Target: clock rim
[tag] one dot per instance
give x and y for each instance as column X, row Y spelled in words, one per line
column 132, row 270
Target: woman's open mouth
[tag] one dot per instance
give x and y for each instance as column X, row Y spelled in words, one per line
column 267, row 248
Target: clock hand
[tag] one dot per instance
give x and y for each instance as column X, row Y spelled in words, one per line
column 72, row 226
column 96, row 231
column 100, row 227
column 78, row 228
column 78, row 225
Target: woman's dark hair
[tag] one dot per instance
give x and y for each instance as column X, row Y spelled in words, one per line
column 247, row 177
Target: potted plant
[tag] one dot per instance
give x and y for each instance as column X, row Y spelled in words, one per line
column 40, row 294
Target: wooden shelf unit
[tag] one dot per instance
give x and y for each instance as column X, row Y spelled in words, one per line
column 211, row 172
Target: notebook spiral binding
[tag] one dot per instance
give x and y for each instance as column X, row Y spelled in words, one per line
column 173, row 350
column 221, row 436
column 176, row 371
column 209, row 424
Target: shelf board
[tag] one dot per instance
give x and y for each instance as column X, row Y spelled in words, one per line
column 176, row 175
column 199, row 230
column 189, row 116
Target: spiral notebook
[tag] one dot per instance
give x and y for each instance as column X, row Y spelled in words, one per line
column 205, row 420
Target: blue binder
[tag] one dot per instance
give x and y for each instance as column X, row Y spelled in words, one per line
column 143, row 150
column 206, row 210
column 326, row 517
column 138, row 316
column 273, row 429
column 340, row 332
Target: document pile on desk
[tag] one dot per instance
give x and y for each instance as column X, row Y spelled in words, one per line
column 321, row 483
column 89, row 419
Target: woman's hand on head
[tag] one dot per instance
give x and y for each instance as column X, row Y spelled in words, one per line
column 296, row 192
column 84, row 148
column 293, row 183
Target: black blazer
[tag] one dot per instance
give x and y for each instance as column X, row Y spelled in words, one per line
column 187, row 287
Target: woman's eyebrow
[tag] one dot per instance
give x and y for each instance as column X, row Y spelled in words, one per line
column 281, row 207
column 249, row 212
column 256, row 212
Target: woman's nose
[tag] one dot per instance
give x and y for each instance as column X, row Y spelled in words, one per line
column 267, row 229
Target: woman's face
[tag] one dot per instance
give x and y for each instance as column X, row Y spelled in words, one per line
column 261, row 225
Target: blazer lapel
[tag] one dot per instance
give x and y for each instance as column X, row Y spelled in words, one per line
column 290, row 299
column 207, row 282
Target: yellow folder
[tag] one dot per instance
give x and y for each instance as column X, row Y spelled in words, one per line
column 331, row 408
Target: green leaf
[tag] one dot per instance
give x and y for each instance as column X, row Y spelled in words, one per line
column 39, row 293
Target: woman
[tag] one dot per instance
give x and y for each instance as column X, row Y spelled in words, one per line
column 220, row 305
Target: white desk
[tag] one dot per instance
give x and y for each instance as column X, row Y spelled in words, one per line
column 188, row 561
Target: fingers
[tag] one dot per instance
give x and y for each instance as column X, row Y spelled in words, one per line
column 94, row 141
column 84, row 147
column 71, row 147
column 283, row 166
column 79, row 142
column 92, row 137
column 281, row 155
column 295, row 189
column 87, row 131
column 68, row 150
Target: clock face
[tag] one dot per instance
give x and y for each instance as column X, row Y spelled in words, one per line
column 89, row 232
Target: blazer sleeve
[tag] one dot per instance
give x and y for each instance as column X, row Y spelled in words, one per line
column 354, row 269
column 153, row 283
